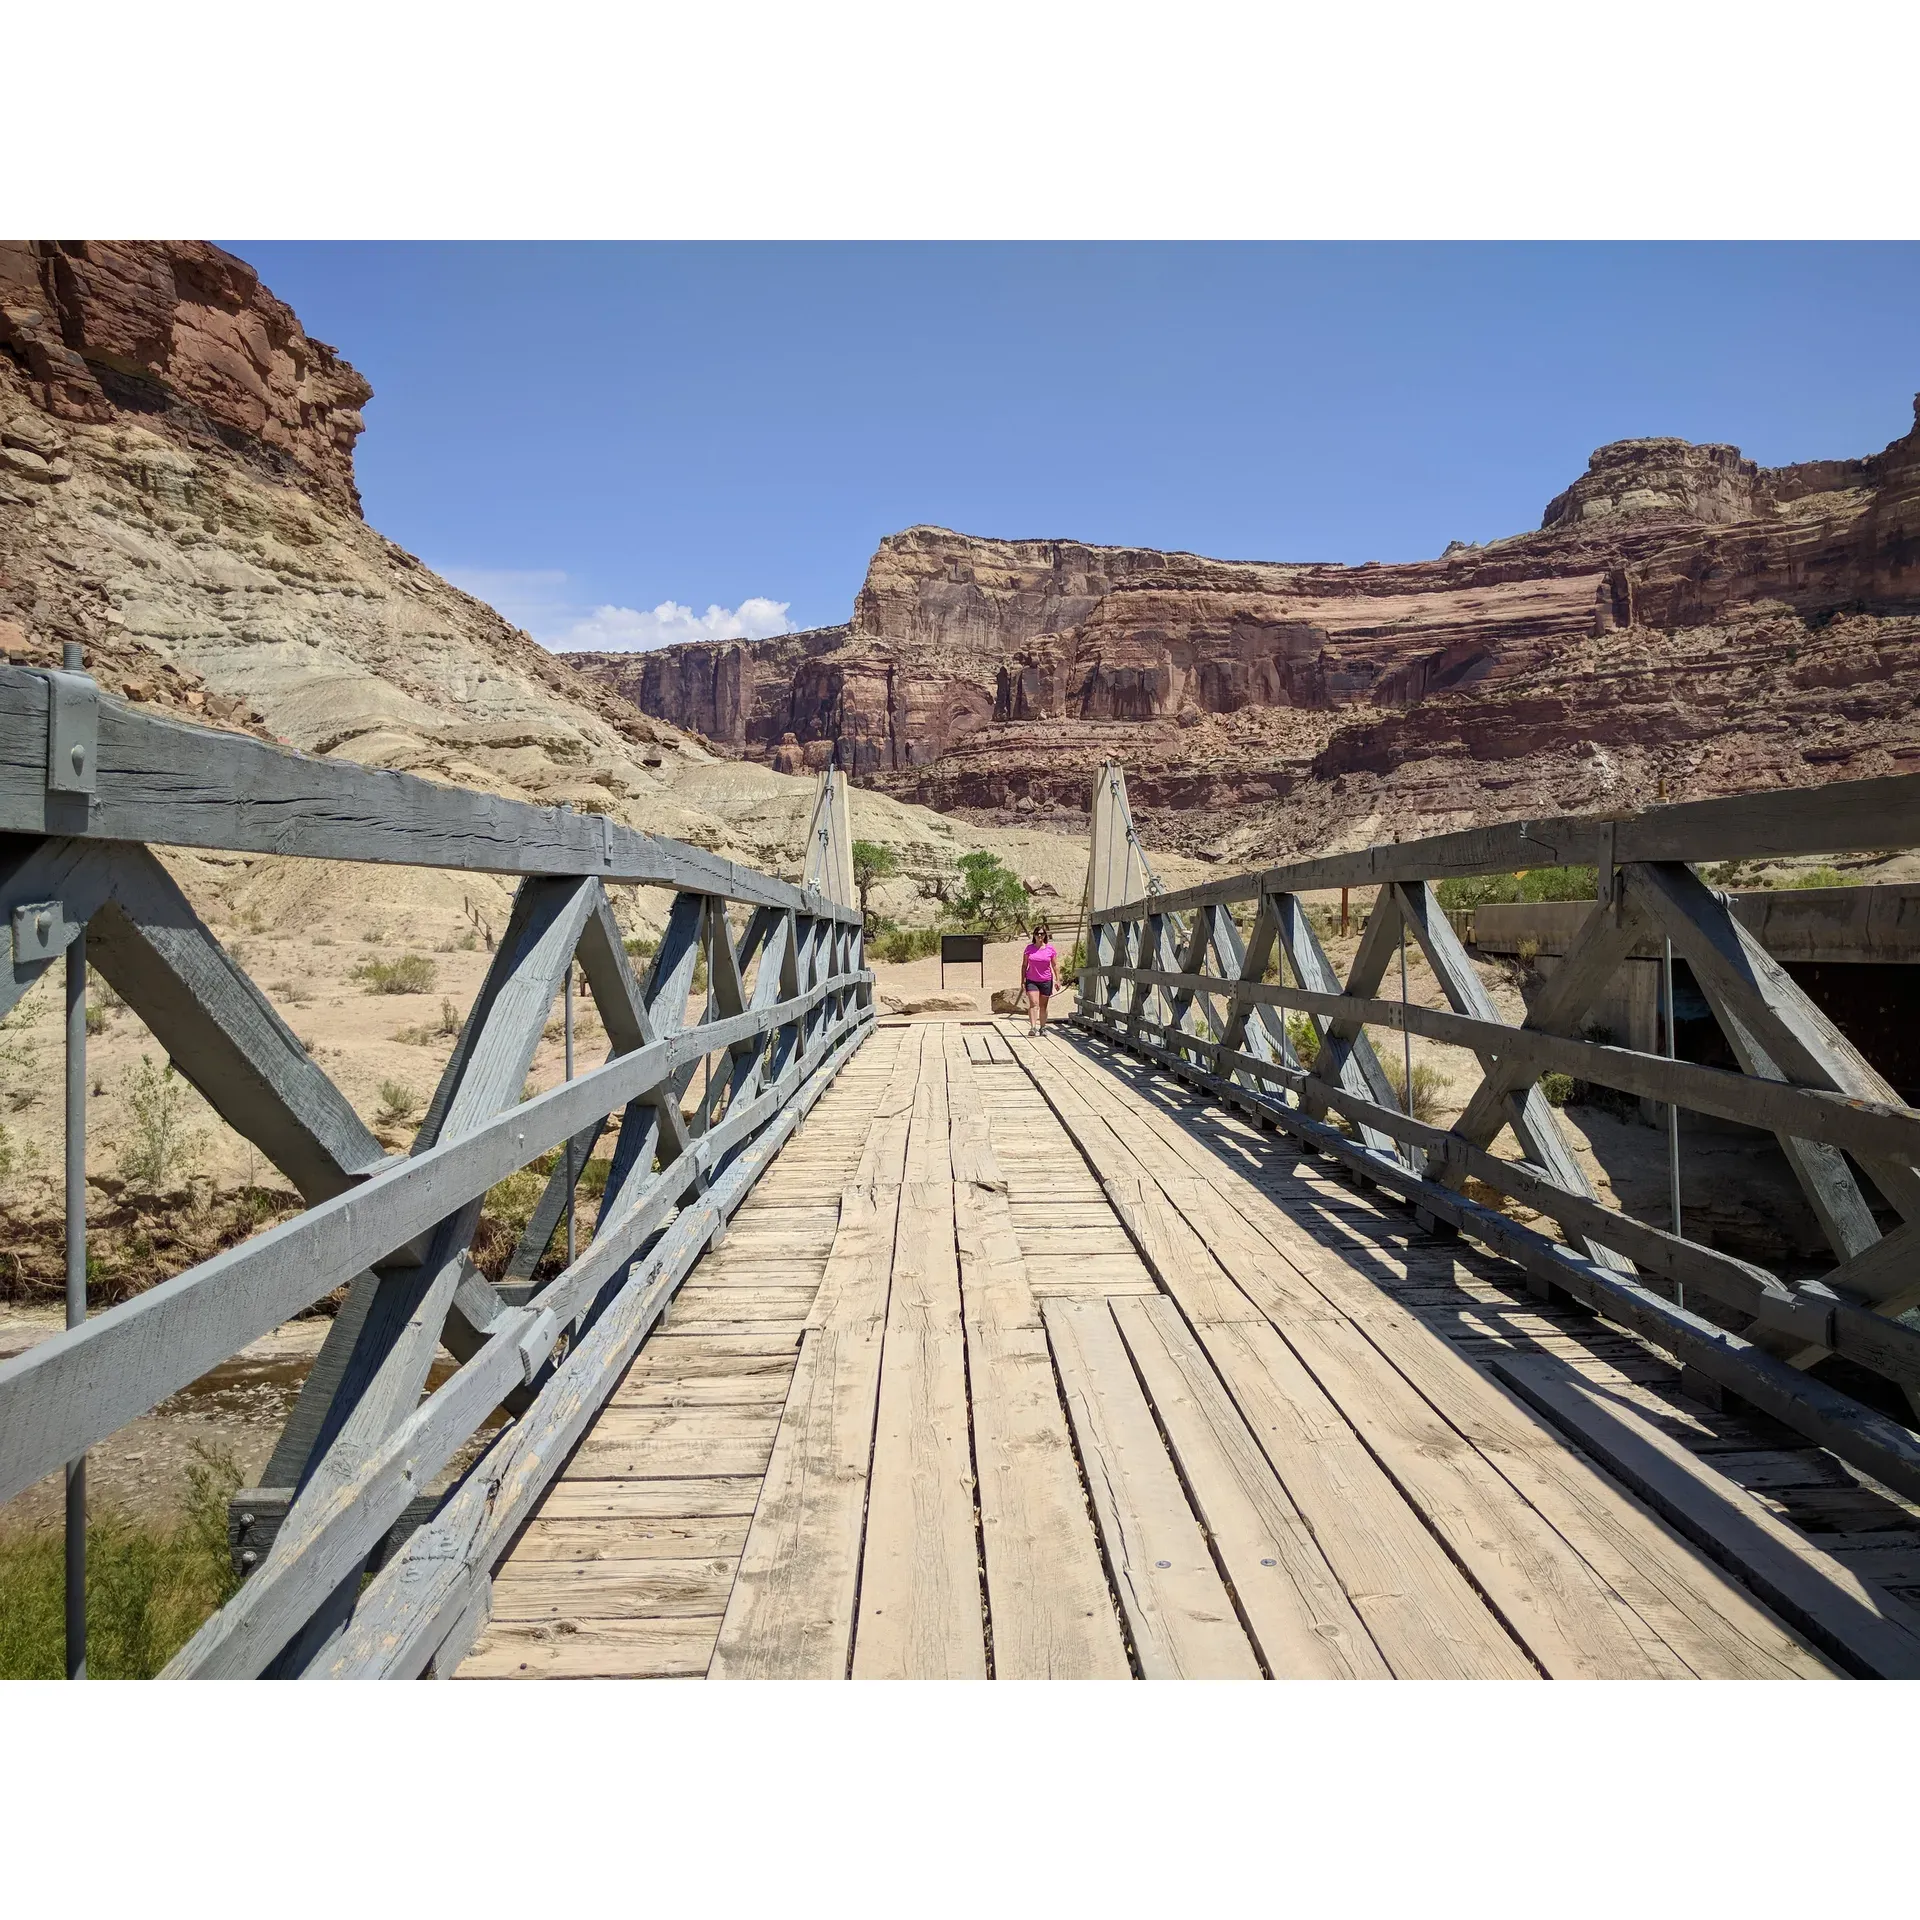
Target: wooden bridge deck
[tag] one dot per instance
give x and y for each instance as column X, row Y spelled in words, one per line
column 928, row 1411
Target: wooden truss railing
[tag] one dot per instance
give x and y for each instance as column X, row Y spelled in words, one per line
column 84, row 781
column 1179, row 979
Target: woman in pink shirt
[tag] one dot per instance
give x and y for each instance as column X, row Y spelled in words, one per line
column 1036, row 975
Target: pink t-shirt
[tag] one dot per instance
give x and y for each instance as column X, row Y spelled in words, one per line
column 1036, row 966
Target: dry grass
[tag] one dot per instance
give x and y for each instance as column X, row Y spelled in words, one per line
column 411, row 973
column 148, row 1589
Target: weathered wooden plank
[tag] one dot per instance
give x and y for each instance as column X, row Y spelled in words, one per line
column 1689, row 1604
column 920, row 1614
column 574, row 1499
column 1302, row 1621
column 791, row 1611
column 1845, row 1615
column 610, row 1589
column 1425, row 1619
column 679, row 1537
column 169, row 784
column 592, row 1650
column 1047, row 1596
column 1180, row 1617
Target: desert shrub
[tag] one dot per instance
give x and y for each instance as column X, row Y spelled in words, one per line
column 1558, row 1087
column 103, row 990
column 1535, row 883
column 641, row 946
column 398, row 1102
column 504, row 1214
column 161, row 1145
column 96, row 1018
column 1824, row 877
column 872, row 863
column 411, row 973
column 449, row 1019
column 1429, row 1082
column 149, row 1589
column 899, row 945
column 6, row 1152
column 1304, row 1037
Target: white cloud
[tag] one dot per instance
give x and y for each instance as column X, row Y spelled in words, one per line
column 539, row 601
column 630, row 630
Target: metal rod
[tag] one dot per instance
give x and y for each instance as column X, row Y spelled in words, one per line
column 706, row 1015
column 76, row 1207
column 567, row 1028
column 1406, row 1048
column 1673, row 1118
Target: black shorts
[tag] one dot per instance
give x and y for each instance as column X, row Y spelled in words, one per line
column 1044, row 988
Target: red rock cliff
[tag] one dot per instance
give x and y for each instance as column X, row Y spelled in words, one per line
column 992, row 674
column 184, row 330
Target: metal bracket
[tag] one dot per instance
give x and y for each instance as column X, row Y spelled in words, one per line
column 73, row 732
column 39, row 932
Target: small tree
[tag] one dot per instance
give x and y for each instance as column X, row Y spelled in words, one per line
column 872, row 863
column 161, row 1145
column 993, row 897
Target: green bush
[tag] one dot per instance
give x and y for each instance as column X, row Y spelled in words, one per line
column 411, row 973
column 161, row 1145
column 1536, row 883
column 872, row 863
column 1305, row 1038
column 899, row 945
column 1558, row 1087
column 993, row 898
column 148, row 1589
column 1824, row 877
column 398, row 1102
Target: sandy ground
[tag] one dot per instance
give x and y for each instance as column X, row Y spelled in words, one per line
column 911, row 987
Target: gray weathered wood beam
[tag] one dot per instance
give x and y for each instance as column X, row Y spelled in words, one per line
column 67, row 1393
column 1856, row 816
column 1346, row 1057
column 1861, row 1126
column 323, row 1542
column 220, row 1031
column 406, row 1611
column 1535, row 1125
column 169, row 784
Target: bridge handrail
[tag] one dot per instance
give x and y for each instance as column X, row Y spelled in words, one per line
column 1178, row 979
column 86, row 783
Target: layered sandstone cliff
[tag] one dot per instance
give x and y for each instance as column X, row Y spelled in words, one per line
column 1683, row 621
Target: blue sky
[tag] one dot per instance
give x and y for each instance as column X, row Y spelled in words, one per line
column 620, row 444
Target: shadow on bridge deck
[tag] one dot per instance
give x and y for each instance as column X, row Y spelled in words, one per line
column 1021, row 1361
